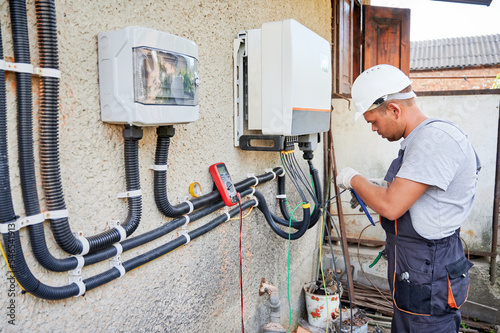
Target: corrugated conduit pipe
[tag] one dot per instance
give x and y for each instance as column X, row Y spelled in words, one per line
column 49, row 143
column 273, row 220
column 165, row 133
column 7, row 214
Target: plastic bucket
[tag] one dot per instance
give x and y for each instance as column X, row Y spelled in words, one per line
column 316, row 306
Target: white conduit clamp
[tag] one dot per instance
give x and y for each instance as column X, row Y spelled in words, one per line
column 115, row 224
column 256, row 202
column 84, row 241
column 47, row 72
column 123, row 233
column 281, row 196
column 117, row 263
column 252, row 175
column 119, row 249
column 191, row 207
column 18, row 67
column 159, row 167
column 272, row 171
column 228, row 215
column 21, row 222
column 129, row 194
column 183, row 231
column 251, row 195
column 80, row 262
column 185, row 234
column 56, row 214
column 187, row 221
column 81, row 287
column 283, row 173
column 75, row 276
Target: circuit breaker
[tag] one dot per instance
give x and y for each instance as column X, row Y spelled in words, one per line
column 147, row 77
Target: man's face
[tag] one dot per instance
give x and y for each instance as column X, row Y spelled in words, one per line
column 385, row 123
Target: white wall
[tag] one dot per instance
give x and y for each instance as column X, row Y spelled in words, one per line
column 195, row 288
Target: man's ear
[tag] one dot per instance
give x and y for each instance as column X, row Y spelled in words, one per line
column 394, row 109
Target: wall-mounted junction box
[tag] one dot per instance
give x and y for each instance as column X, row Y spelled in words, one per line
column 147, row 77
column 283, row 82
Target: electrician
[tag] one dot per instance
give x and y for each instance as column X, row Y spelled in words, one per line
column 431, row 190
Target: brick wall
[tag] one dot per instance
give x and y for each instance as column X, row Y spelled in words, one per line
column 453, row 79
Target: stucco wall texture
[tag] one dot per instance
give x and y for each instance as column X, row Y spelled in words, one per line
column 195, row 288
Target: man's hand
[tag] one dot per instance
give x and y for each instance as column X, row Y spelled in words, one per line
column 344, row 178
column 376, row 181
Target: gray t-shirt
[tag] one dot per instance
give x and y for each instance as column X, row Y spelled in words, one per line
column 439, row 154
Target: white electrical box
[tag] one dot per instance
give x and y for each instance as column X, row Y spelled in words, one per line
column 283, row 80
column 147, row 77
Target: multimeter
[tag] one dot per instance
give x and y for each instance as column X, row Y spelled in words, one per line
column 224, row 183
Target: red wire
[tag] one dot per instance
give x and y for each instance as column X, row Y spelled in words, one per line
column 240, row 266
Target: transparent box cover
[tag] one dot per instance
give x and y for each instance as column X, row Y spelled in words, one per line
column 164, row 77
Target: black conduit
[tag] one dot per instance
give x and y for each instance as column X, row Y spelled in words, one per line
column 165, row 133
column 24, row 108
column 52, row 183
column 14, row 253
column 272, row 220
column 49, row 153
column 7, row 213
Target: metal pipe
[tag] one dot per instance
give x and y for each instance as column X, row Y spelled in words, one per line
column 496, row 203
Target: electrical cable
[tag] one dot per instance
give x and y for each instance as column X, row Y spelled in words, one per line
column 361, row 266
column 303, row 179
column 283, row 202
column 337, row 279
column 343, row 254
column 323, row 277
column 240, row 264
column 288, row 267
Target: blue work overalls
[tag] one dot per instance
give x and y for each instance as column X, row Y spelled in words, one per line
column 429, row 279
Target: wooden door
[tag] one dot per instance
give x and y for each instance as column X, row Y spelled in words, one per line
column 386, row 37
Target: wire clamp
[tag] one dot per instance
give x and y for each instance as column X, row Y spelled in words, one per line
column 191, row 206
column 183, row 230
column 116, row 262
column 252, row 175
column 47, row 72
column 281, row 196
column 256, row 202
column 84, row 241
column 130, row 194
column 80, row 262
column 21, row 222
column 283, row 173
column 228, row 215
column 159, row 167
column 119, row 249
column 271, row 171
column 185, row 225
column 115, row 224
column 185, row 233
column 19, row 67
column 75, row 276
column 251, row 195
column 56, row 214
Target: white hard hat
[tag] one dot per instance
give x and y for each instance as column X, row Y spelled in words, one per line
column 378, row 84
